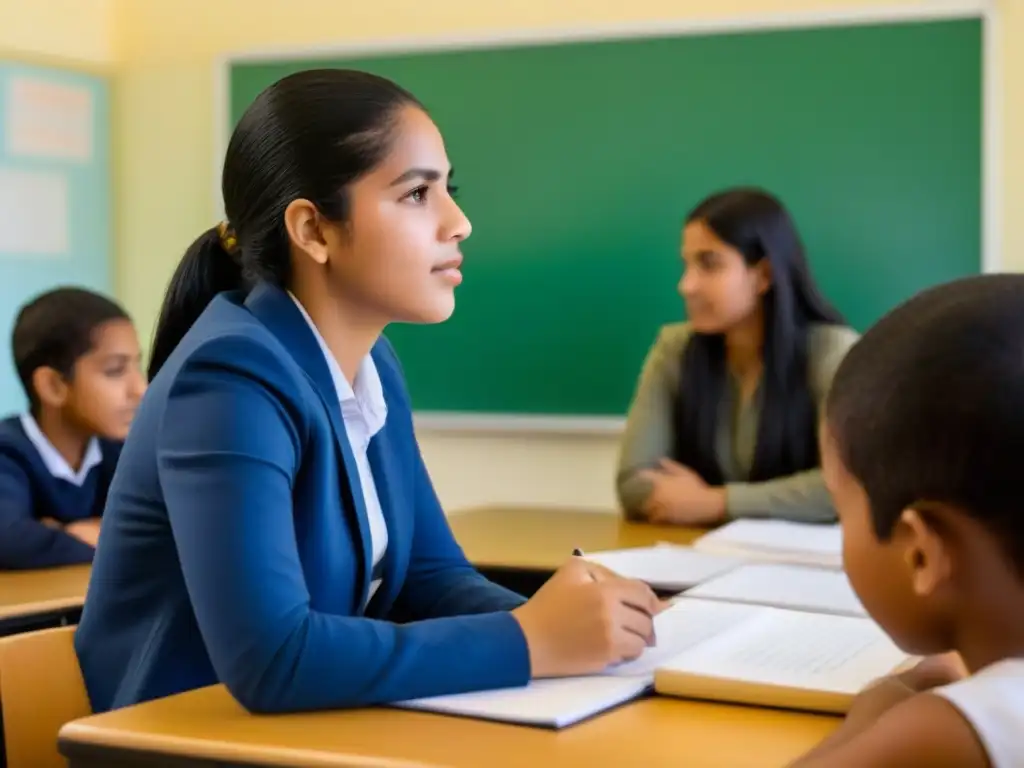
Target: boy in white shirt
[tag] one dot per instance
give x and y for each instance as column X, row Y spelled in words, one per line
column 922, row 444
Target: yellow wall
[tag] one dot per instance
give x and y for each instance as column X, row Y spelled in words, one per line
column 164, row 118
column 83, row 31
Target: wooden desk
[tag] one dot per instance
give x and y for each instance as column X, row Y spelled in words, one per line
column 520, row 547
column 207, row 725
column 36, row 599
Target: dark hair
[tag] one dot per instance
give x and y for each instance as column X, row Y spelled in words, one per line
column 54, row 330
column 307, row 136
column 758, row 226
column 929, row 406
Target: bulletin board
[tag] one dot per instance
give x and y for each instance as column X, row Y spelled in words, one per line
column 55, row 193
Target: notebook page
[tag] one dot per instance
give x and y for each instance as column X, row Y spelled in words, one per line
column 557, row 703
column 667, row 567
column 813, row 651
column 797, row 587
column 686, row 624
column 552, row 703
column 777, row 541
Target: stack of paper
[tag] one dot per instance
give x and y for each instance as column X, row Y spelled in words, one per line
column 555, row 703
column 665, row 567
column 777, row 541
column 801, row 588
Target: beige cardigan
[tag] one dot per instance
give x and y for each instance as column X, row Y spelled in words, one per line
column 649, row 432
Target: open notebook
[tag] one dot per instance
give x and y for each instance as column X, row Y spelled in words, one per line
column 778, row 541
column 666, row 567
column 720, row 651
column 778, row 658
column 801, row 588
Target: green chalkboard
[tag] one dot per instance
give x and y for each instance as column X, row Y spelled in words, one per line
column 577, row 162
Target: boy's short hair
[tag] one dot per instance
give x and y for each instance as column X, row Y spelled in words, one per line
column 929, row 407
column 55, row 329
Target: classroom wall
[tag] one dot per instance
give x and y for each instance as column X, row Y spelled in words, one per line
column 164, row 116
column 74, row 30
column 64, row 234
column 67, row 44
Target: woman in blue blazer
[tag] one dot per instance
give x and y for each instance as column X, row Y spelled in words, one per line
column 271, row 524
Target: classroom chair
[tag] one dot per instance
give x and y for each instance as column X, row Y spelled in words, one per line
column 41, row 689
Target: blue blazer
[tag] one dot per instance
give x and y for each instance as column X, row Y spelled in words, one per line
column 236, row 548
column 28, row 492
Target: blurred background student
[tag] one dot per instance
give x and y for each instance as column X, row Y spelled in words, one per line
column 724, row 417
column 77, row 355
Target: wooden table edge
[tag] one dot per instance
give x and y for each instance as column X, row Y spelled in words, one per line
column 79, row 739
column 28, row 610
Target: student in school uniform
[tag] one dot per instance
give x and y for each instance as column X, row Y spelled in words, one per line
column 921, row 447
column 723, row 420
column 77, row 356
column 271, row 524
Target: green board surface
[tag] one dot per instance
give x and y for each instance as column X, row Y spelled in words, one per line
column 577, row 163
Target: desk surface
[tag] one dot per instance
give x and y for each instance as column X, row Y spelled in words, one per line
column 208, row 724
column 27, row 593
column 536, row 538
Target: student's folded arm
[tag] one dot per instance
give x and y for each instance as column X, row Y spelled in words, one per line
column 229, row 449
column 801, row 497
column 26, row 542
column 925, row 730
column 648, row 436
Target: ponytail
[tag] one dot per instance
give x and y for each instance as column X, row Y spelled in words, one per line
column 308, row 136
column 208, row 267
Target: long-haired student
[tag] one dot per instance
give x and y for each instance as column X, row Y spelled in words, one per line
column 271, row 524
column 921, row 449
column 723, row 421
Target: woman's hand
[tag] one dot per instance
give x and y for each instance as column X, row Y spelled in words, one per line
column 586, row 618
column 85, row 530
column 680, row 496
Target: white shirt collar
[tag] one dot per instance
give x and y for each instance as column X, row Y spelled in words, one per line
column 366, row 400
column 55, row 463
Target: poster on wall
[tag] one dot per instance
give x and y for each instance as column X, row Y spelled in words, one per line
column 33, row 213
column 46, row 119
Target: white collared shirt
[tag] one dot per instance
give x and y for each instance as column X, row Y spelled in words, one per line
column 364, row 412
column 54, row 462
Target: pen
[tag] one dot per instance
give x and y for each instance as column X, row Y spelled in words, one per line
column 577, row 552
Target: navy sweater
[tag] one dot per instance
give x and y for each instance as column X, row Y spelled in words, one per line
column 28, row 493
